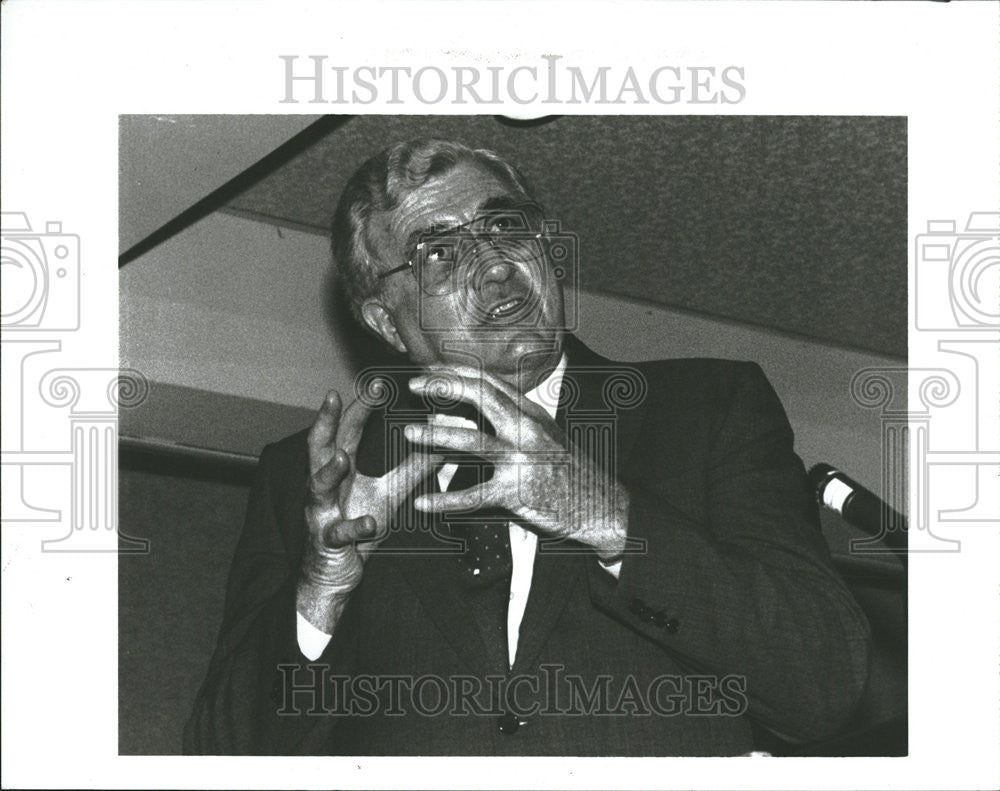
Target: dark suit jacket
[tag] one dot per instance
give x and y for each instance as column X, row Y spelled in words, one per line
column 728, row 612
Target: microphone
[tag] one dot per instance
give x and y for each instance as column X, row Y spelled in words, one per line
column 857, row 505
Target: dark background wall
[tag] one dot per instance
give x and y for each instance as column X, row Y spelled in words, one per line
column 170, row 600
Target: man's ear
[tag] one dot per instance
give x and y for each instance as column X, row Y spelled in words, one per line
column 381, row 322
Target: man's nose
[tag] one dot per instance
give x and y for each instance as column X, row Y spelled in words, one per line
column 493, row 267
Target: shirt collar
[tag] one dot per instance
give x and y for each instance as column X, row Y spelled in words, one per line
column 546, row 395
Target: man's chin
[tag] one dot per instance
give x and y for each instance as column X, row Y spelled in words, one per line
column 506, row 352
column 533, row 340
column 526, row 354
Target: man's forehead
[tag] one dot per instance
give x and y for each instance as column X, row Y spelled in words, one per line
column 450, row 199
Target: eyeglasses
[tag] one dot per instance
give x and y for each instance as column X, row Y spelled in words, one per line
column 435, row 258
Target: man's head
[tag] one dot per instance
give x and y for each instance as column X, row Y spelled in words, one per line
column 443, row 255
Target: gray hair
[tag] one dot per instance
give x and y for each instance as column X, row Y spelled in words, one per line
column 380, row 185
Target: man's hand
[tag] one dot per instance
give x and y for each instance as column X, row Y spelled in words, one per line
column 347, row 514
column 539, row 475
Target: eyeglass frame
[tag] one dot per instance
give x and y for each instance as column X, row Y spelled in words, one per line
column 466, row 227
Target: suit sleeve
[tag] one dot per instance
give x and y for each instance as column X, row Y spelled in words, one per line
column 748, row 591
column 246, row 704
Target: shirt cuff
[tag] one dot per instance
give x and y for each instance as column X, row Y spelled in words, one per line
column 312, row 641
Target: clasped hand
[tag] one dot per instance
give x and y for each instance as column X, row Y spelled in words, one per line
column 540, row 476
column 346, row 513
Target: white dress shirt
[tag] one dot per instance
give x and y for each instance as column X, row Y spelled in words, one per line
column 523, row 543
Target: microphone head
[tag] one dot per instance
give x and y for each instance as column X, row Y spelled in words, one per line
column 818, row 475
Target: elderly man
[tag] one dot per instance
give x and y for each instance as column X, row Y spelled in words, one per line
column 514, row 546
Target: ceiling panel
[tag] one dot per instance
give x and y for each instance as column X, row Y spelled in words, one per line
column 794, row 223
column 167, row 163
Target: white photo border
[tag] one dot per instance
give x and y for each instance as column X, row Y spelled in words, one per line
column 71, row 69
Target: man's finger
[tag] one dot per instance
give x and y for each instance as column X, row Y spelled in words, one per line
column 402, row 479
column 510, row 393
column 324, row 431
column 470, row 372
column 468, row 440
column 323, row 482
column 352, row 424
column 346, row 532
column 471, row 499
column 496, row 406
column 508, row 390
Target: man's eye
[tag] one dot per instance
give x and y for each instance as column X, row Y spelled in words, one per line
column 437, row 253
column 504, row 222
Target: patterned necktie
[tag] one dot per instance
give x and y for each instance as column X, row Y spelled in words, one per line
column 487, row 556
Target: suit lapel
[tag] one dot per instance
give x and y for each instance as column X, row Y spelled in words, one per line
column 604, row 387
column 560, row 567
column 554, row 580
column 426, row 558
column 419, row 548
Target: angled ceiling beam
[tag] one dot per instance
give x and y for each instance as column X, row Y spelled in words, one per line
column 176, row 169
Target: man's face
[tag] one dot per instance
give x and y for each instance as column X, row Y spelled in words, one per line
column 500, row 308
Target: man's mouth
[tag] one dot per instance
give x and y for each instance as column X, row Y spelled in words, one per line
column 504, row 309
